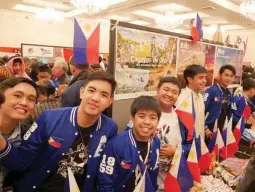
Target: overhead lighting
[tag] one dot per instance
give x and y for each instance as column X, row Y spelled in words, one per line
column 48, row 4
column 94, row 6
column 171, row 21
column 171, row 7
column 139, row 22
column 50, row 14
column 26, row 8
column 227, row 4
column 247, row 9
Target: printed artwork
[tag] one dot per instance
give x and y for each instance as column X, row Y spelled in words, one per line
column 200, row 54
column 143, row 58
column 230, row 56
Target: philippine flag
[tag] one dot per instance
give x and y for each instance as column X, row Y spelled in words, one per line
column 237, row 130
column 246, row 112
column 217, row 144
column 55, row 142
column 225, row 128
column 186, row 113
column 205, row 159
column 179, row 178
column 193, row 162
column 71, row 184
column 86, row 41
column 231, row 144
column 196, row 31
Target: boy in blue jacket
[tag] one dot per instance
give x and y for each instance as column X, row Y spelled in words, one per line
column 65, row 138
column 130, row 160
column 241, row 105
column 217, row 99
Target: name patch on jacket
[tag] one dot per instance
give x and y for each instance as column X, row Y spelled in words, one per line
column 55, row 142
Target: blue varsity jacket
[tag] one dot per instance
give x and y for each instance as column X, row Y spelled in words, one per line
column 238, row 104
column 213, row 102
column 37, row 158
column 120, row 161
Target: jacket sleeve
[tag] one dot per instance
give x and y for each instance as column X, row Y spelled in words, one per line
column 208, row 98
column 20, row 157
column 108, row 170
column 236, row 109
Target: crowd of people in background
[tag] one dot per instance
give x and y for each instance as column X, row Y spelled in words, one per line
column 40, row 148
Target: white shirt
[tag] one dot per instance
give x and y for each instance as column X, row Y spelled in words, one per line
column 102, row 66
column 170, row 122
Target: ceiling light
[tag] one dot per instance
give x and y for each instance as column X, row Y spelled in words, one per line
column 247, row 9
column 139, row 22
column 50, row 14
column 48, row 4
column 26, row 8
column 94, row 6
column 171, row 7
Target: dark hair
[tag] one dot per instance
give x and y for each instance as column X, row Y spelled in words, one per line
column 171, row 80
column 46, row 88
column 245, row 75
column 2, row 98
column 44, row 68
column 12, row 82
column 146, row 103
column 193, row 70
column 229, row 67
column 248, row 69
column 82, row 66
column 100, row 59
column 248, row 84
column 103, row 76
column 5, row 58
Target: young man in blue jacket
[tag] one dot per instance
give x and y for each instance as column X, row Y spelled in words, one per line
column 217, row 99
column 130, row 160
column 65, row 138
column 241, row 105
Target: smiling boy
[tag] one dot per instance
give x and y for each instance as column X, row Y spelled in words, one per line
column 131, row 158
column 65, row 138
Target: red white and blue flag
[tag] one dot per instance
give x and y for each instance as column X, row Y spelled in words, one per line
column 204, row 157
column 237, row 130
column 231, row 146
column 246, row 112
column 179, row 178
column 196, row 31
column 193, row 163
column 186, row 113
column 216, row 144
column 86, row 41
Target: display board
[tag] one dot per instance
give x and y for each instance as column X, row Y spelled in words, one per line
column 46, row 54
column 200, row 54
column 9, row 51
column 143, row 58
column 230, row 56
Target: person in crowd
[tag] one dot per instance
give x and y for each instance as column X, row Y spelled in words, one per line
column 5, row 58
column 34, row 69
column 101, row 63
column 245, row 75
column 46, row 100
column 66, row 138
column 195, row 78
column 217, row 99
column 131, row 158
column 71, row 95
column 105, row 63
column 20, row 98
column 168, row 91
column 44, row 73
column 16, row 66
column 4, row 73
column 59, row 71
column 2, row 63
column 239, row 102
column 28, row 64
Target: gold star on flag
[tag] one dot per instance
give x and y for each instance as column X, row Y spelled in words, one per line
column 185, row 104
column 204, row 146
column 87, row 27
column 192, row 154
column 176, row 156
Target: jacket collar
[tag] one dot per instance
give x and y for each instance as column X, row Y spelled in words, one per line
column 74, row 119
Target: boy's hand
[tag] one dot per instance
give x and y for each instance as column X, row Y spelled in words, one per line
column 167, row 151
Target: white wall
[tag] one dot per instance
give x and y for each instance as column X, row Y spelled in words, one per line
column 15, row 30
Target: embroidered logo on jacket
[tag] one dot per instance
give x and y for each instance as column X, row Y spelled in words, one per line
column 125, row 165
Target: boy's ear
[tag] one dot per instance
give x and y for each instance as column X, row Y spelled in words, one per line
column 82, row 89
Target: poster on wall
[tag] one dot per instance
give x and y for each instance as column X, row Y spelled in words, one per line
column 37, row 51
column 143, row 58
column 229, row 56
column 200, row 54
